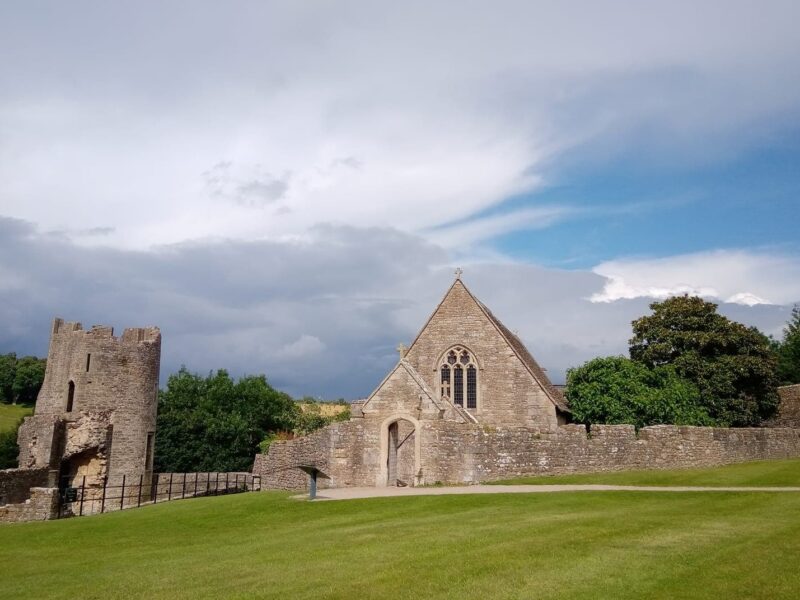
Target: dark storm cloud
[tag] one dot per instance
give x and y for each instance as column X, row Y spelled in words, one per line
column 320, row 316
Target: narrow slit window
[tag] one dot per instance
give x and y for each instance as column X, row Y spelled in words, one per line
column 70, row 396
column 148, row 457
column 88, row 361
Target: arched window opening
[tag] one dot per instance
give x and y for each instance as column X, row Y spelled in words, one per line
column 70, row 396
column 460, row 388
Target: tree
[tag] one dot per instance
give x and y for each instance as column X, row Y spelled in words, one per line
column 215, row 423
column 616, row 390
column 9, row 451
column 8, row 367
column 789, row 350
column 28, row 378
column 733, row 366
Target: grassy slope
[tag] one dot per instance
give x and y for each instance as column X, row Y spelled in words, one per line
column 10, row 414
column 569, row 545
column 760, row 473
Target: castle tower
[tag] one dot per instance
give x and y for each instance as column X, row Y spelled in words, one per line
column 95, row 415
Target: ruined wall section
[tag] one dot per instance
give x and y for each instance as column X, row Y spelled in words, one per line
column 346, row 452
column 508, row 395
column 789, row 407
column 42, row 505
column 113, row 386
column 15, row 484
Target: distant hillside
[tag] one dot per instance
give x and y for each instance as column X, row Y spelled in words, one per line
column 10, row 414
column 326, row 409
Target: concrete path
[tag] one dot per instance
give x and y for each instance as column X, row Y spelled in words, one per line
column 393, row 492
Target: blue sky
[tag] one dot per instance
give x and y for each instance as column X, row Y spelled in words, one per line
column 629, row 206
column 286, row 188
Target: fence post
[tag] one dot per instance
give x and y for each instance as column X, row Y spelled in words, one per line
column 183, row 487
column 216, row 483
column 103, row 501
column 122, row 495
column 196, row 475
column 139, row 499
column 83, row 493
column 208, row 482
column 226, row 483
column 154, row 488
column 169, row 495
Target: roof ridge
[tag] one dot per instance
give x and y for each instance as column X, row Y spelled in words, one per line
column 522, row 352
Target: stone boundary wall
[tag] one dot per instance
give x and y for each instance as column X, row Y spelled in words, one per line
column 466, row 453
column 15, row 484
column 789, row 407
column 188, row 485
column 42, row 505
column 162, row 487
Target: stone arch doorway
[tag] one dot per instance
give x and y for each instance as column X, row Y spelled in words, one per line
column 400, row 451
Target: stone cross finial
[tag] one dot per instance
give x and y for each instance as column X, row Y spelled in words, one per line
column 401, row 349
column 459, row 272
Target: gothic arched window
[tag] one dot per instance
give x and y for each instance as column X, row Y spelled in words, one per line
column 459, row 377
column 70, row 395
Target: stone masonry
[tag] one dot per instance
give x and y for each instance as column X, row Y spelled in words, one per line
column 468, row 453
column 789, row 407
column 95, row 415
column 500, row 417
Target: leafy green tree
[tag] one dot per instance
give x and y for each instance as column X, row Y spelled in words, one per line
column 215, row 423
column 789, row 350
column 9, row 451
column 733, row 366
column 616, row 390
column 28, row 378
column 8, row 367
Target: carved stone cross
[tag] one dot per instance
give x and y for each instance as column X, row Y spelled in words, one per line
column 401, row 349
column 459, row 272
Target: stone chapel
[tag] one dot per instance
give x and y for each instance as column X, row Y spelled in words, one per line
column 464, row 374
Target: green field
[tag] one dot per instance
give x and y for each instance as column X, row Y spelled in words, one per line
column 10, row 414
column 566, row 545
column 760, row 473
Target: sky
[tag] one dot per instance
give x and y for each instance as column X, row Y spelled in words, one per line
column 287, row 188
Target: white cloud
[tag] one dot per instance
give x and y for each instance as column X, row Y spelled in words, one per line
column 735, row 276
column 330, row 114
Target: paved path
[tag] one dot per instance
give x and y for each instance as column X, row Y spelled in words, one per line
column 364, row 492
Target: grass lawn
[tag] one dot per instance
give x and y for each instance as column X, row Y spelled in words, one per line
column 760, row 473
column 10, row 414
column 611, row 545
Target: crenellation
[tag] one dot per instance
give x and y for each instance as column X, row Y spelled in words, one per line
column 98, row 402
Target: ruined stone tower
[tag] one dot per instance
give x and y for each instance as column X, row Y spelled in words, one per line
column 95, row 415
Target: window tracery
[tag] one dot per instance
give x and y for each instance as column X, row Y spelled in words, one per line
column 459, row 377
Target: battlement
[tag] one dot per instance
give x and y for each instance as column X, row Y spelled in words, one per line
column 132, row 335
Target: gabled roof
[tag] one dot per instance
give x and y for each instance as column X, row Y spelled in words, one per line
column 555, row 395
column 412, row 372
column 527, row 359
